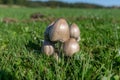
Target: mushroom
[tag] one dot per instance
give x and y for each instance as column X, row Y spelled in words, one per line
column 59, row 31
column 70, row 47
column 74, row 32
column 48, row 48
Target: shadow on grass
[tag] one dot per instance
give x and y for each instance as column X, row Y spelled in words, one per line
column 31, row 46
column 4, row 75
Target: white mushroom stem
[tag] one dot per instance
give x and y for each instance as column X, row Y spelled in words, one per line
column 56, row 56
column 78, row 39
column 59, row 48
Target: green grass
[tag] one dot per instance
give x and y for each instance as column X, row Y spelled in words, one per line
column 98, row 59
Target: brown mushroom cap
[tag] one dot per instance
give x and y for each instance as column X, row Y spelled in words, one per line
column 70, row 47
column 59, row 31
column 74, row 31
column 48, row 48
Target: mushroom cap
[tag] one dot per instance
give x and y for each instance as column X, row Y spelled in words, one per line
column 46, row 33
column 70, row 47
column 48, row 48
column 59, row 31
column 74, row 31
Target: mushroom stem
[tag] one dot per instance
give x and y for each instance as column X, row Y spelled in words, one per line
column 59, row 49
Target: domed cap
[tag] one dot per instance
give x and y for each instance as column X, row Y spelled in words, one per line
column 74, row 31
column 70, row 47
column 59, row 31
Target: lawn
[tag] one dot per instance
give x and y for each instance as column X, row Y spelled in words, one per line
column 98, row 58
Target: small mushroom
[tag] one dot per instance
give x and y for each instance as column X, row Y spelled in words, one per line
column 70, row 47
column 48, row 48
column 74, row 32
column 59, row 31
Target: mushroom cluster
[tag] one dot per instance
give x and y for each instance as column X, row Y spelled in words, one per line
column 59, row 32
